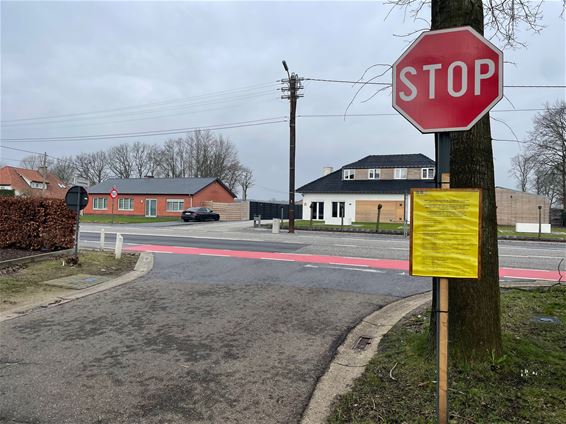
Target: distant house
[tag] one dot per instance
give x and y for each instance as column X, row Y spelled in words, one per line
column 515, row 206
column 153, row 197
column 27, row 182
column 356, row 189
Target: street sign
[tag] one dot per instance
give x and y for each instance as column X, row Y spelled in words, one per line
column 76, row 198
column 80, row 181
column 445, row 233
column 447, row 80
column 113, row 193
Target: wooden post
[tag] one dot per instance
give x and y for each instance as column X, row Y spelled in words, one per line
column 442, row 336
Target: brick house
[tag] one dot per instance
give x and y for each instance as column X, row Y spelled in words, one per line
column 358, row 188
column 153, row 197
column 27, row 182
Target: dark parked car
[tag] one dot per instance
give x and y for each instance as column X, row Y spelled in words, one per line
column 199, row 214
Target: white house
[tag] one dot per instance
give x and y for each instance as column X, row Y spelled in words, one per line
column 355, row 191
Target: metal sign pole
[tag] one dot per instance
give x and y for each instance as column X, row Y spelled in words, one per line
column 77, row 227
column 442, row 144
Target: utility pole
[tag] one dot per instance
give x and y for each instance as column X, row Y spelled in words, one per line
column 293, row 87
column 43, row 171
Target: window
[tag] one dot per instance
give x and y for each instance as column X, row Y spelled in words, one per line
column 125, row 204
column 427, row 173
column 348, row 174
column 100, row 203
column 338, row 209
column 175, row 205
column 35, row 184
column 400, row 173
column 317, row 210
column 374, row 174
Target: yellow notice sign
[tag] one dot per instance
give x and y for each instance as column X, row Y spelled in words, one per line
column 445, row 232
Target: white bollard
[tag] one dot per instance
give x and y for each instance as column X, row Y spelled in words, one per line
column 275, row 226
column 102, row 239
column 118, row 248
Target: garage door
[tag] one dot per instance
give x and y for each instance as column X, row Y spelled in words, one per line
column 366, row 211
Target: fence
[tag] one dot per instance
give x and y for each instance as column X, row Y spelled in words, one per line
column 270, row 210
column 238, row 211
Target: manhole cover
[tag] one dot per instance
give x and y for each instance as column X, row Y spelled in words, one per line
column 546, row 319
column 363, row 343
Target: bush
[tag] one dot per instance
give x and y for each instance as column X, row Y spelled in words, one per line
column 35, row 224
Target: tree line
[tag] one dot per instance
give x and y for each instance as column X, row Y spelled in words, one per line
column 541, row 168
column 198, row 154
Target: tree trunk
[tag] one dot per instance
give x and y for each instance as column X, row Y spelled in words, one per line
column 474, row 310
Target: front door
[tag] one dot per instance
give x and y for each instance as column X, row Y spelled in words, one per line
column 151, row 208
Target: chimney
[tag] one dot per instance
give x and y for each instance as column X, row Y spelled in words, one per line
column 327, row 170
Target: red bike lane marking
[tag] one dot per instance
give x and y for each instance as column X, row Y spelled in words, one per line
column 518, row 273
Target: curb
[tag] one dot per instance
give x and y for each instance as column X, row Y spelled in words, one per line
column 349, row 363
column 35, row 258
column 143, row 266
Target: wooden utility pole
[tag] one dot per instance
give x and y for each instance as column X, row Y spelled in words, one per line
column 294, row 85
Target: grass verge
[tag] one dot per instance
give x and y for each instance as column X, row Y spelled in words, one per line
column 22, row 282
column 124, row 219
column 526, row 385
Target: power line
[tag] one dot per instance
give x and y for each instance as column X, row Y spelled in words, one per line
column 181, row 107
column 242, row 124
column 145, row 105
column 389, row 84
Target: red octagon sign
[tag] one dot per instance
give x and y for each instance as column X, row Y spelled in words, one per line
column 447, row 80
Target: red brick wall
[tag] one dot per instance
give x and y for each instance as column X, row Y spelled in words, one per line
column 214, row 192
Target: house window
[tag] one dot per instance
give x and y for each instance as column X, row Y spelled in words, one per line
column 125, row 204
column 100, row 203
column 348, row 174
column 400, row 173
column 317, row 210
column 35, row 184
column 374, row 174
column 175, row 205
column 427, row 173
column 338, row 209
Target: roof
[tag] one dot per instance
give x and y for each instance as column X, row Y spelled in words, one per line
column 333, row 183
column 146, row 185
column 20, row 178
column 417, row 160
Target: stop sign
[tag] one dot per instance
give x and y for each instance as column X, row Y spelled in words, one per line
column 447, row 80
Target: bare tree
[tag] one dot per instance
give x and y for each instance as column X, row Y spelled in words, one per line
column 35, row 162
column 548, row 145
column 92, row 166
column 121, row 161
column 546, row 181
column 246, row 181
column 522, row 167
column 64, row 169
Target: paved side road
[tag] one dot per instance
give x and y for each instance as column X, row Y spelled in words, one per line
column 180, row 346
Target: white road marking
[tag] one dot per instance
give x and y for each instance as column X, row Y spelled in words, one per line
column 342, row 264
column 278, row 259
column 375, row 271
column 213, row 254
column 532, row 256
column 345, row 245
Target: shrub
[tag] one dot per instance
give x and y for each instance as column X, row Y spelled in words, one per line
column 34, row 224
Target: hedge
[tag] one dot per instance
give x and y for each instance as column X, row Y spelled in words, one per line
column 36, row 224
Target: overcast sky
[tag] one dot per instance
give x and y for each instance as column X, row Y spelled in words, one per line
column 164, row 65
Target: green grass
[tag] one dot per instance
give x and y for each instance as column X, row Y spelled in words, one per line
column 526, row 385
column 509, row 230
column 124, row 219
column 29, row 276
column 306, row 224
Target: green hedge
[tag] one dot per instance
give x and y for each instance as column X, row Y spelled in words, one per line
column 35, row 224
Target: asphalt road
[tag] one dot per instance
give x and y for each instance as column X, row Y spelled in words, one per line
column 513, row 254
column 197, row 340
